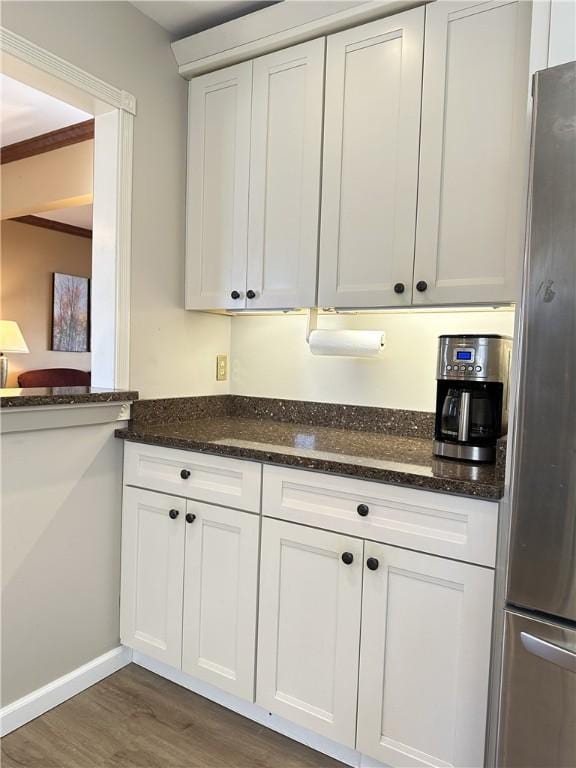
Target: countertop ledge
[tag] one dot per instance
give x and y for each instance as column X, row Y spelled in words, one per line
column 364, row 455
column 43, row 396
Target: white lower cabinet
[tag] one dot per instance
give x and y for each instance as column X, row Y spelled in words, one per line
column 220, row 591
column 424, row 660
column 380, row 648
column 152, row 567
column 190, row 587
column 309, row 628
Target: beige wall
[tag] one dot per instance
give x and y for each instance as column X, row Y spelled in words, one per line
column 270, row 357
column 48, row 181
column 29, row 256
column 172, row 351
column 60, row 552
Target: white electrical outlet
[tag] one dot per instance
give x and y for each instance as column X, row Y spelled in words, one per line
column 221, row 367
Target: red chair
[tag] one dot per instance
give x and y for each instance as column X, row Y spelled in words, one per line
column 55, row 377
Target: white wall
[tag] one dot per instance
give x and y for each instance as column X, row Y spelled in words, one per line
column 562, row 46
column 172, row 351
column 270, row 357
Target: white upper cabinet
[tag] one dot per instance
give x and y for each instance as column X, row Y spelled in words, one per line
column 424, row 659
column 285, row 159
column 370, row 170
column 217, row 193
column 474, row 153
column 421, row 156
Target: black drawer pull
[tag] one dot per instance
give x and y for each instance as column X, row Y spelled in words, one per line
column 347, row 558
column 185, row 474
column 173, row 514
column 372, row 564
column 362, row 509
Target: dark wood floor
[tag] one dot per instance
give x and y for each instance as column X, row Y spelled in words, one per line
column 135, row 719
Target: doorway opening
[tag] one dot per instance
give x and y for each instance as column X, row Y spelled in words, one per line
column 47, row 152
column 66, row 221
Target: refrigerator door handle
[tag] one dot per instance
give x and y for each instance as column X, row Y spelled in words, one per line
column 549, row 652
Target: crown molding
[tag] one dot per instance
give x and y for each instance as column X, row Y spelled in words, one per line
column 275, row 27
column 15, row 45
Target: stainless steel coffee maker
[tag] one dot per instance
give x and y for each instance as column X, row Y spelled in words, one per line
column 471, row 396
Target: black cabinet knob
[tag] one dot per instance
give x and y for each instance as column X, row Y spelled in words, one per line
column 347, row 558
column 372, row 564
column 190, row 517
column 362, row 509
column 422, row 286
column 173, row 514
column 185, row 474
column 251, row 294
column 399, row 288
column 235, row 294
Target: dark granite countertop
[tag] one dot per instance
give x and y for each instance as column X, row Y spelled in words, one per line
column 36, row 396
column 223, row 426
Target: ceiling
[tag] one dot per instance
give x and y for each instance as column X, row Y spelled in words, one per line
column 189, row 16
column 27, row 112
column 78, row 215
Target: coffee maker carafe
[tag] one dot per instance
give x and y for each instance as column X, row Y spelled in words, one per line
column 471, row 396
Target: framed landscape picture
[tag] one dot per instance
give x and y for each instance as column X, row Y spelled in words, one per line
column 70, row 313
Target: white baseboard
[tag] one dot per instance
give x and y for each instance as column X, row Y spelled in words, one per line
column 257, row 714
column 34, row 704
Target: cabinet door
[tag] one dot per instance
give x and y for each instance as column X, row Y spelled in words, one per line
column 474, row 152
column 369, row 186
column 285, row 177
column 424, row 660
column 152, row 568
column 220, row 592
column 309, row 627
column 217, row 194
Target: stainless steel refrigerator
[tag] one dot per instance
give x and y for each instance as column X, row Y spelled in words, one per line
column 538, row 705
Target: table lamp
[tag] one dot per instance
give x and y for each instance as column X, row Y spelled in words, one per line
column 11, row 341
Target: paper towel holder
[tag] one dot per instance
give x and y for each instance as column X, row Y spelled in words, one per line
column 362, row 350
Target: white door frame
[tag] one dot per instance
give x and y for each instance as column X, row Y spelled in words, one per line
column 114, row 112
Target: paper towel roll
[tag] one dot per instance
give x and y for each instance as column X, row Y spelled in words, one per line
column 347, row 343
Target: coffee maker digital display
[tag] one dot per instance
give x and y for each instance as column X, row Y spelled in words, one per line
column 471, row 396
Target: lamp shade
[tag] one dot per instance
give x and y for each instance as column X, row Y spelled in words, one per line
column 11, row 339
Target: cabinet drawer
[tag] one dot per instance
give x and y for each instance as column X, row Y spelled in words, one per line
column 450, row 526
column 215, row 479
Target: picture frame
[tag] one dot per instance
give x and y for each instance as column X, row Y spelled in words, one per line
column 70, row 331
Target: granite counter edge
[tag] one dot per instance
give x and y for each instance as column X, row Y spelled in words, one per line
column 465, row 488
column 32, row 401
